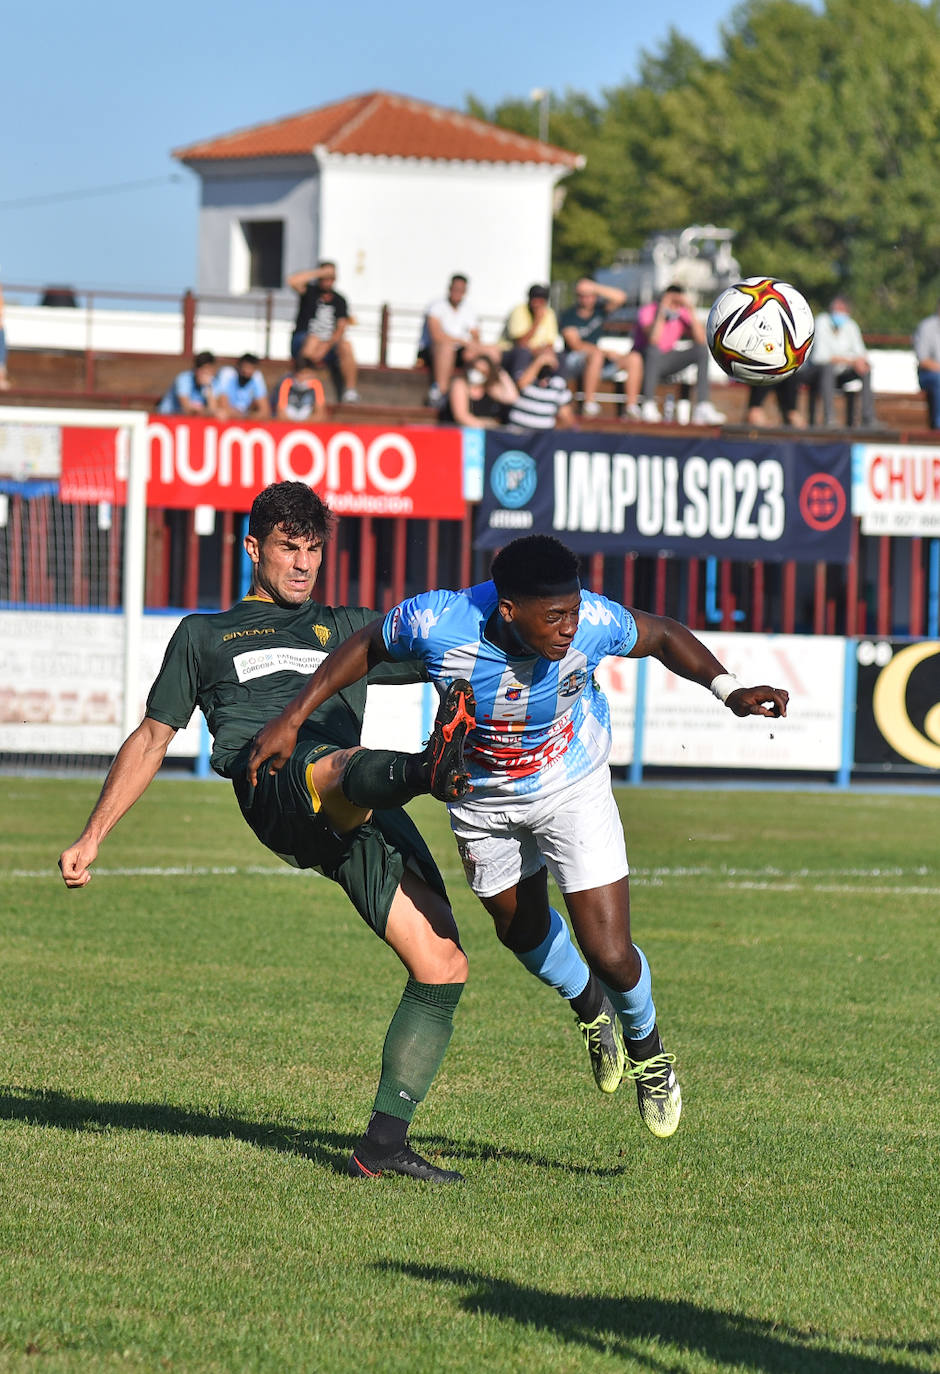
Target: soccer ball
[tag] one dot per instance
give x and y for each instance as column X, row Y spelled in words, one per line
column 760, row 330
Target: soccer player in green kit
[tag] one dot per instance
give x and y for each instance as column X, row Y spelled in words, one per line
column 241, row 667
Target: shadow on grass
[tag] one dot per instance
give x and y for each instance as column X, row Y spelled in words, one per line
column 48, row 1107
column 625, row 1327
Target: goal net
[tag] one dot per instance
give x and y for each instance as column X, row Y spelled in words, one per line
column 77, row 655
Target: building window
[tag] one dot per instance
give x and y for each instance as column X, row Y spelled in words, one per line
column 258, row 256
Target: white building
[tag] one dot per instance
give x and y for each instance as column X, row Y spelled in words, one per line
column 399, row 193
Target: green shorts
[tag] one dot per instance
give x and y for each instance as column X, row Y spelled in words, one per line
column 368, row 863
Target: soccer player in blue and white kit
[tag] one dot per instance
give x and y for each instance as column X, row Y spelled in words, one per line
column 525, row 645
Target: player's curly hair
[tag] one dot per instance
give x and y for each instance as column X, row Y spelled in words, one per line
column 294, row 506
column 536, row 565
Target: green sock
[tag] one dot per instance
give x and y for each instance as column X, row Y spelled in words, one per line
column 417, row 1038
column 383, row 778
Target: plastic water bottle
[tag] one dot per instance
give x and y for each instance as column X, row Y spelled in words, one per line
column 669, row 407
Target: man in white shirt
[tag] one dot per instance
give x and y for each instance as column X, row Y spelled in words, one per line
column 450, row 337
column 839, row 359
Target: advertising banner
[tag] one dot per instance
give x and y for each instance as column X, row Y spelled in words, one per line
column 897, row 720
column 896, row 488
column 686, row 727
column 60, row 688
column 612, row 493
column 358, row 470
column 61, row 681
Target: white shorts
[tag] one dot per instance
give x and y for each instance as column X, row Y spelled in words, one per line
column 578, row 835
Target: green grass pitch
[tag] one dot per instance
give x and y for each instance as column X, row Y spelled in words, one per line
column 191, row 1045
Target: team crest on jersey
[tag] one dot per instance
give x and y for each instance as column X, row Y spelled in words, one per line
column 571, row 685
column 322, row 633
column 514, row 691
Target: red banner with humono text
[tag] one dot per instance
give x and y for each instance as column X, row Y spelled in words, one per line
column 357, row 469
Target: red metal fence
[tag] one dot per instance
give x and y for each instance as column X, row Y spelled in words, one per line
column 53, row 554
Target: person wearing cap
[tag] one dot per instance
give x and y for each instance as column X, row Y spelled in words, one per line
column 531, row 327
column 193, row 392
column 241, row 390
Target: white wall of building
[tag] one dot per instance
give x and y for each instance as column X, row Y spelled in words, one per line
column 399, row 228
column 268, row 188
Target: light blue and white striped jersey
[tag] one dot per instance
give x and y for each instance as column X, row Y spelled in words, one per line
column 540, row 725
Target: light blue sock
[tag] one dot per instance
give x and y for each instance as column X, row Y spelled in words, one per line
column 556, row 960
column 635, row 1006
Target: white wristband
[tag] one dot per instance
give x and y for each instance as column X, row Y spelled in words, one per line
column 723, row 685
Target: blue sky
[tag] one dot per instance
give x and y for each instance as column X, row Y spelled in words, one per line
column 95, row 96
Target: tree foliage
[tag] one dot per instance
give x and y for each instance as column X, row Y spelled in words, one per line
column 813, row 135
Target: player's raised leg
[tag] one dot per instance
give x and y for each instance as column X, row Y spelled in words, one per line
column 385, row 777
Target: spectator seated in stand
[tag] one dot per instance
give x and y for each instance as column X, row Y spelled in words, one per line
column 584, row 360
column 530, row 327
column 926, row 343
column 544, row 401
column 320, row 328
column 838, row 360
column 299, row 395
column 193, row 392
column 787, row 392
column 241, row 390
column 660, row 327
column 479, row 397
column 450, row 337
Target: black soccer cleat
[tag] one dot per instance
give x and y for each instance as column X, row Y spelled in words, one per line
column 604, row 1040
column 366, row 1162
column 447, row 776
column 657, row 1091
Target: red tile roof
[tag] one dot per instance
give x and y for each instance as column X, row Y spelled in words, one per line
column 381, row 125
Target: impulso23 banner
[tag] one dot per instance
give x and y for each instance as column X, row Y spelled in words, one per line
column 696, row 497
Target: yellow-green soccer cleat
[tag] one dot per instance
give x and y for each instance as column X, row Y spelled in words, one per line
column 657, row 1092
column 604, row 1040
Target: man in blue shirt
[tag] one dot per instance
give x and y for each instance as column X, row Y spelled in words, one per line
column 523, row 648
column 193, row 392
column 241, row 390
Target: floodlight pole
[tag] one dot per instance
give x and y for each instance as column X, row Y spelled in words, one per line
column 543, row 99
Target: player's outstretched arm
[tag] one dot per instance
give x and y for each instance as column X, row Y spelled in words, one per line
column 135, row 765
column 274, row 745
column 678, row 650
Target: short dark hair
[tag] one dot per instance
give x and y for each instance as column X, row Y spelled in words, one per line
column 295, row 507
column 538, row 291
column 203, row 359
column 459, row 276
column 249, row 358
column 535, row 565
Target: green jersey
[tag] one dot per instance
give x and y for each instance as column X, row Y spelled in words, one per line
column 242, row 666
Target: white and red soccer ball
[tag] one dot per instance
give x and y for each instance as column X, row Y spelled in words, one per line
column 759, row 330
